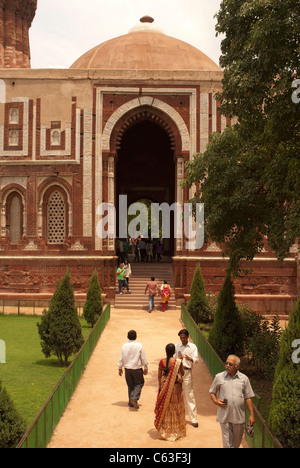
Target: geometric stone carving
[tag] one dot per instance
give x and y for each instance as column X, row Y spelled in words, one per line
column 77, row 246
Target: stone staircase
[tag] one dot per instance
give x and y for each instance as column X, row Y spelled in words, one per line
column 141, row 274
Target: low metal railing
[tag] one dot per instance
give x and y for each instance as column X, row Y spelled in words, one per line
column 40, row 432
column 30, row 306
column 263, row 437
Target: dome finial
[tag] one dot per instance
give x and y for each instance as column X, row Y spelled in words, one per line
column 146, row 19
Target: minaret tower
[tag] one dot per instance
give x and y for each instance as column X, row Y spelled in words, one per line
column 16, row 17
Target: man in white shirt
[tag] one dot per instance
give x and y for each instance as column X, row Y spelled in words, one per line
column 133, row 359
column 188, row 352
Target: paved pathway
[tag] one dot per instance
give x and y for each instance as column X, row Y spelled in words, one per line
column 98, row 415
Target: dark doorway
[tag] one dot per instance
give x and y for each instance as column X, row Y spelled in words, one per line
column 146, row 169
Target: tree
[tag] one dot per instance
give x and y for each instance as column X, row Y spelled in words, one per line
column 250, row 174
column 226, row 334
column 60, row 329
column 93, row 306
column 198, row 306
column 286, row 390
column 12, row 425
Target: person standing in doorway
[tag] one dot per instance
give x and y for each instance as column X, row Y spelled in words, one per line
column 133, row 359
column 159, row 251
column 142, row 246
column 149, row 250
column 152, row 289
column 229, row 390
column 137, row 251
column 188, row 352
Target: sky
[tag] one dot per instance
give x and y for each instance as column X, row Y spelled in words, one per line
column 63, row 30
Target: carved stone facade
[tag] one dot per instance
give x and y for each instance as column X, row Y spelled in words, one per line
column 71, row 140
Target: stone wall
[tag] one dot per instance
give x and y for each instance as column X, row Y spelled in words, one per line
column 269, row 288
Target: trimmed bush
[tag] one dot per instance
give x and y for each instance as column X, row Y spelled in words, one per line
column 60, row 328
column 263, row 346
column 284, row 418
column 12, row 426
column 198, row 305
column 226, row 334
column 93, row 307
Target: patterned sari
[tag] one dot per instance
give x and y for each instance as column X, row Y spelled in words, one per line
column 169, row 409
column 165, row 294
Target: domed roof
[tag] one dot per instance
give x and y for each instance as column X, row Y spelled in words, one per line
column 145, row 47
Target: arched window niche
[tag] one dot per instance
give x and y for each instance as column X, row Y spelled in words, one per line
column 54, row 224
column 14, row 217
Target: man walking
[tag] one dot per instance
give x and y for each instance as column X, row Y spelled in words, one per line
column 133, row 359
column 228, row 391
column 152, row 289
column 188, row 352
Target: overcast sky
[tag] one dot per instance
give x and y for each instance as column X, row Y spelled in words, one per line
column 63, row 30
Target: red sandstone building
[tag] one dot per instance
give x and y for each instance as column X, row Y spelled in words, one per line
column 123, row 119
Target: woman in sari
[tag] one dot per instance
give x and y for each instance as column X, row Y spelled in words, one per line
column 169, row 408
column 165, row 292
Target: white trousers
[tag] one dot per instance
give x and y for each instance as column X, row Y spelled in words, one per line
column 188, row 393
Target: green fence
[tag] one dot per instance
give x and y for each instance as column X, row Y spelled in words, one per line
column 31, row 306
column 263, row 438
column 40, row 432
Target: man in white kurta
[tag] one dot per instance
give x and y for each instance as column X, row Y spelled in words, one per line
column 188, row 352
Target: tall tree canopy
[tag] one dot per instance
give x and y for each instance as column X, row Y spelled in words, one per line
column 249, row 174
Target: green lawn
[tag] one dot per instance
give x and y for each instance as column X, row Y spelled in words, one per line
column 27, row 375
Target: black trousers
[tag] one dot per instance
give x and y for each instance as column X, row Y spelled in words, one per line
column 135, row 382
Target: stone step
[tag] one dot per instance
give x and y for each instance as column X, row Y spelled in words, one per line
column 141, row 274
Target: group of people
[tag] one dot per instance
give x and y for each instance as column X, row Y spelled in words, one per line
column 164, row 291
column 175, row 384
column 123, row 276
column 144, row 250
column 229, row 389
column 147, row 249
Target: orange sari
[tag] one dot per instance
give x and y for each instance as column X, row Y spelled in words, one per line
column 169, row 408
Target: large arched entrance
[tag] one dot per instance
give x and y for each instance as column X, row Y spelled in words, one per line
column 145, row 164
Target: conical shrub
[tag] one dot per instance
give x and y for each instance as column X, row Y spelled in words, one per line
column 60, row 329
column 198, row 305
column 93, row 307
column 12, row 426
column 284, row 418
column 226, row 334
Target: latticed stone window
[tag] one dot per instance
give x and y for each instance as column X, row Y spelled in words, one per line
column 56, row 222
